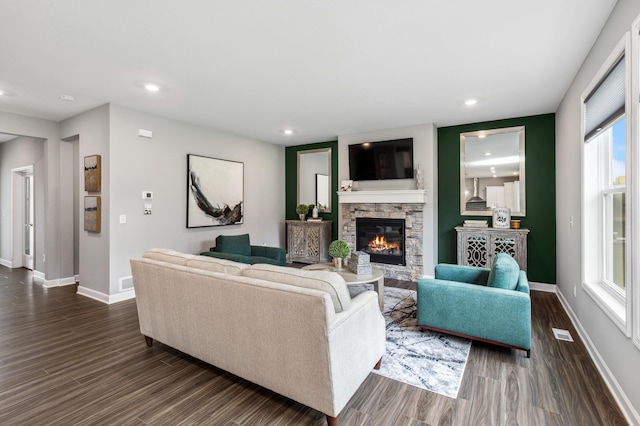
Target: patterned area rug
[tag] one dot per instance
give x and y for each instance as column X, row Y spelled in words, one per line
column 428, row 360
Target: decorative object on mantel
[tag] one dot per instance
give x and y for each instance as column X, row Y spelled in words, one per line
column 314, row 213
column 360, row 263
column 419, row 177
column 338, row 250
column 515, row 224
column 215, row 191
column 501, row 217
column 314, row 219
column 92, row 173
column 346, row 185
column 302, row 210
column 471, row 223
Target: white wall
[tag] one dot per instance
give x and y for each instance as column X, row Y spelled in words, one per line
column 616, row 354
column 19, row 152
column 424, row 153
column 160, row 165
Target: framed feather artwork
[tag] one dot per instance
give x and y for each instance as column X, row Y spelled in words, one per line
column 215, row 192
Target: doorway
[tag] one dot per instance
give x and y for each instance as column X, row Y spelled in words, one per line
column 23, row 202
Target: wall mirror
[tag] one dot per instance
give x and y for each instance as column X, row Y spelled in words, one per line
column 314, row 178
column 492, row 171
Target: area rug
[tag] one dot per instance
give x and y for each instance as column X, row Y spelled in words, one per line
column 426, row 359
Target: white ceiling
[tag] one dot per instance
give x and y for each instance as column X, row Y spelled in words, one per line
column 323, row 68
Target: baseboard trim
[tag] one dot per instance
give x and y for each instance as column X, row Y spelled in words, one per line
column 625, row 405
column 549, row 288
column 37, row 275
column 58, row 282
column 7, row 263
column 105, row 298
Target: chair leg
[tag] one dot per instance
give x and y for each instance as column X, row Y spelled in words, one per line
column 332, row 421
column 528, row 353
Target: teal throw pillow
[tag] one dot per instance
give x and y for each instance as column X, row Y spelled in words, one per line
column 234, row 244
column 504, row 272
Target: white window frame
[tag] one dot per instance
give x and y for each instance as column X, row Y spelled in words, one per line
column 633, row 180
column 614, row 302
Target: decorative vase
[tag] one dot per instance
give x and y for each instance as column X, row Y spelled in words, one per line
column 337, row 262
column 302, row 216
column 315, row 212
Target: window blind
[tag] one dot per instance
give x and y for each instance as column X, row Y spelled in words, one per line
column 605, row 104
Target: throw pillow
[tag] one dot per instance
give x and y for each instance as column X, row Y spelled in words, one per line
column 234, row 244
column 504, row 272
column 168, row 255
column 326, row 281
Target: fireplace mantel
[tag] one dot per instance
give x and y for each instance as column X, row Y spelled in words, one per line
column 384, row 196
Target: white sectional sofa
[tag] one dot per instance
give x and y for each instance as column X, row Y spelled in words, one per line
column 295, row 332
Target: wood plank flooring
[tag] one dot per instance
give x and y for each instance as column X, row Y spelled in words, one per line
column 69, row 360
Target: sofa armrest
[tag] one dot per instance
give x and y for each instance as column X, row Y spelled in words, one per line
column 357, row 341
column 485, row 312
column 277, row 253
column 461, row 273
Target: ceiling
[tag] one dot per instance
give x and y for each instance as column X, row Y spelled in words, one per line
column 321, row 68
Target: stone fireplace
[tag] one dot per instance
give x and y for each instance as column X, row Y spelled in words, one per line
column 407, row 207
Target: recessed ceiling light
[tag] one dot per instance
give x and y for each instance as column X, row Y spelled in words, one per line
column 487, row 153
column 288, row 132
column 1, row 92
column 495, row 176
column 67, row 98
column 482, row 136
column 152, row 87
column 470, row 102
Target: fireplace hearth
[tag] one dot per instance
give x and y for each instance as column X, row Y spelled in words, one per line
column 382, row 238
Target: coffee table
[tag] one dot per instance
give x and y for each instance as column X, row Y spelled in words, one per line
column 376, row 277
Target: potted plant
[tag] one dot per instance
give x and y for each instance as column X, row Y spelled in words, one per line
column 338, row 249
column 302, row 210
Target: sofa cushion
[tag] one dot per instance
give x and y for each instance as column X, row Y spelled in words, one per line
column 168, row 255
column 214, row 264
column 234, row 244
column 329, row 282
column 504, row 272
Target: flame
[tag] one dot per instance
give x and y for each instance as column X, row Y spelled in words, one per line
column 381, row 244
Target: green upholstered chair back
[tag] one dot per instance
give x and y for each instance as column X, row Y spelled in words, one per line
column 234, row 244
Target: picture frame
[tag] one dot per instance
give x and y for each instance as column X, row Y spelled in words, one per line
column 92, row 173
column 346, row 185
column 215, row 192
column 92, row 213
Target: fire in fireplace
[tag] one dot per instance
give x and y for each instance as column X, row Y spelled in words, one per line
column 382, row 239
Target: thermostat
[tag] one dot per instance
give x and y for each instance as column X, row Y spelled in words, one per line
column 147, row 195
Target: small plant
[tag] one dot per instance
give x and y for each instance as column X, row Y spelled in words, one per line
column 302, row 209
column 338, row 249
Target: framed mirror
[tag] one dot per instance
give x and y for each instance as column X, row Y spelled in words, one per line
column 314, row 178
column 492, row 171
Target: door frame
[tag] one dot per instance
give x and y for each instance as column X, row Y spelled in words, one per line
column 17, row 214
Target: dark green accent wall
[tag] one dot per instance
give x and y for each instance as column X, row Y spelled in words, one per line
column 540, row 191
column 291, row 181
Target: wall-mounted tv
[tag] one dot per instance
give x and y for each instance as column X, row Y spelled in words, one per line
column 381, row 160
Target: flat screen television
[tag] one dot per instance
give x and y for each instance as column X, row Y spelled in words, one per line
column 381, row 160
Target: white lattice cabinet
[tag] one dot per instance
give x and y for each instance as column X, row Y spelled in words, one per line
column 478, row 246
column 308, row 242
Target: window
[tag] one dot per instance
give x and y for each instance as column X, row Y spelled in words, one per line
column 604, row 181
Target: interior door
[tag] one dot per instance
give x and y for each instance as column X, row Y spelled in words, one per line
column 28, row 234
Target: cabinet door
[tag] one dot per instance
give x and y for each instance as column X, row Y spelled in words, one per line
column 475, row 249
column 313, row 243
column 298, row 242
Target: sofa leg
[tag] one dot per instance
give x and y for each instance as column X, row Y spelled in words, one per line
column 332, row 421
column 148, row 340
column 528, row 353
column 378, row 364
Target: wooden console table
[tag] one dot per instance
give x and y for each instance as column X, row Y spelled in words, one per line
column 478, row 246
column 308, row 242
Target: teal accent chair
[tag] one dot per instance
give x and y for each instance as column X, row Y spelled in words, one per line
column 238, row 248
column 489, row 305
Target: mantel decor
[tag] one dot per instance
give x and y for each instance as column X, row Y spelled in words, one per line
column 215, row 191
column 92, row 181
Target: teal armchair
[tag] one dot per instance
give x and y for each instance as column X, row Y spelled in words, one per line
column 459, row 301
column 239, row 249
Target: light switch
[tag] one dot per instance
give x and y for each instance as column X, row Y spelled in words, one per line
column 123, row 218
column 147, row 209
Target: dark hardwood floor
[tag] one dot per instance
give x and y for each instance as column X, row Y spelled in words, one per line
column 69, row 360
